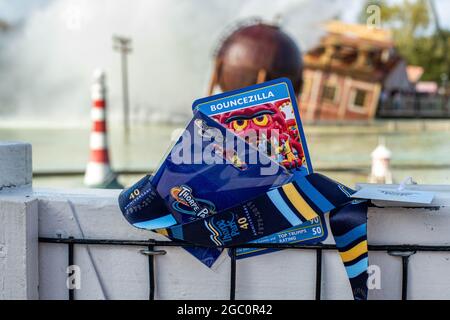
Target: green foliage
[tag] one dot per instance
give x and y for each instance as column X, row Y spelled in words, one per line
column 409, row 20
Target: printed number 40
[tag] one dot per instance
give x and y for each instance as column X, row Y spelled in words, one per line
column 243, row 224
column 134, row 194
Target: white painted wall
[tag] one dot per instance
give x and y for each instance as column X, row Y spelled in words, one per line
column 18, row 224
column 123, row 271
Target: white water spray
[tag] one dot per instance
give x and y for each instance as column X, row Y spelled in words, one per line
column 46, row 63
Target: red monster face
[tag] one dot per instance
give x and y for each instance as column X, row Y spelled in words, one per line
column 245, row 122
column 258, row 124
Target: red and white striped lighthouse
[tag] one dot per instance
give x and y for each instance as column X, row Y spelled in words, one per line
column 98, row 171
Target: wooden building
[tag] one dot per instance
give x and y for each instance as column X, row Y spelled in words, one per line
column 350, row 70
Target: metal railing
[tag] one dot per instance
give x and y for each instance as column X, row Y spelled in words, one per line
column 410, row 105
column 403, row 251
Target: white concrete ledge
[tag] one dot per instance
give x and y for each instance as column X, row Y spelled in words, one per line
column 122, row 272
column 29, row 270
column 288, row 274
column 19, row 270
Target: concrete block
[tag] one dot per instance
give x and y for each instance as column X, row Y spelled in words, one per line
column 19, row 276
column 15, row 164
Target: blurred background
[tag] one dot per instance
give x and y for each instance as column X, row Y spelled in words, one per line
column 369, row 74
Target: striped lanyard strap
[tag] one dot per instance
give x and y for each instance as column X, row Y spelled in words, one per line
column 290, row 205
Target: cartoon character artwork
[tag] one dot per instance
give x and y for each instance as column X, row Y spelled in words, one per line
column 285, row 107
column 270, row 128
column 291, row 152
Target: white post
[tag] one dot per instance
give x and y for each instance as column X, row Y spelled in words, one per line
column 381, row 165
column 19, row 272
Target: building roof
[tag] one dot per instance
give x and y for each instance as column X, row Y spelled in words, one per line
column 360, row 32
column 357, row 50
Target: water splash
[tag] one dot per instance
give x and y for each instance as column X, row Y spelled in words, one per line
column 46, row 64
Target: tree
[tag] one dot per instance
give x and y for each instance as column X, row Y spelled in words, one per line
column 409, row 21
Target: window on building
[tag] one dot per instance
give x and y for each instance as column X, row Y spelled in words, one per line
column 329, row 93
column 360, row 98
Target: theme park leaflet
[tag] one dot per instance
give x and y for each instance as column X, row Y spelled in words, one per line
column 267, row 116
column 207, row 170
column 284, row 200
column 210, row 169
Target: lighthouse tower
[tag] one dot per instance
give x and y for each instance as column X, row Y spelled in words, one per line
column 98, row 171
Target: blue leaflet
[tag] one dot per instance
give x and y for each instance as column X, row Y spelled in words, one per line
column 231, row 202
column 155, row 202
column 309, row 232
column 196, row 188
column 269, row 92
